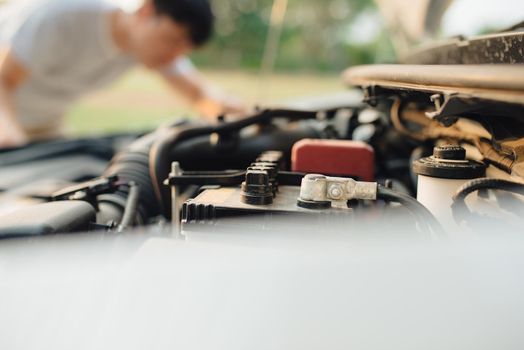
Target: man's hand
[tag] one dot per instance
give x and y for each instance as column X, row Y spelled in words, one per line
column 209, row 100
column 212, row 106
column 233, row 105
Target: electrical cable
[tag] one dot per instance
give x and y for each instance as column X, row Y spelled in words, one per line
column 459, row 207
column 130, row 210
column 422, row 214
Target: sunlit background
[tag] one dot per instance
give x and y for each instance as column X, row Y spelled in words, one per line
column 310, row 43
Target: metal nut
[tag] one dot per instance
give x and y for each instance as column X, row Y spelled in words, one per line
column 335, row 191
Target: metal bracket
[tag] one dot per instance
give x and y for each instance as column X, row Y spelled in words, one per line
column 88, row 191
column 450, row 106
column 373, row 93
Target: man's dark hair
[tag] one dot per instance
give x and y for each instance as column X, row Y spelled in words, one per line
column 195, row 14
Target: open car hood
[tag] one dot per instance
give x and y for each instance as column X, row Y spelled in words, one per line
column 412, row 22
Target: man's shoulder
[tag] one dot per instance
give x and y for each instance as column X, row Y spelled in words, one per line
column 51, row 33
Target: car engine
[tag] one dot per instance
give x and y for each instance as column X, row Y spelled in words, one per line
column 436, row 148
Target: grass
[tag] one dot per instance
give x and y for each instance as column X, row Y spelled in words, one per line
column 141, row 100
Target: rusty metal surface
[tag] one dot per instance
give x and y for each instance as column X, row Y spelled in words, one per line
column 504, row 48
column 504, row 83
column 493, row 95
column 504, row 150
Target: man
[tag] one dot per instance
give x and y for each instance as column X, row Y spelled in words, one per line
column 54, row 51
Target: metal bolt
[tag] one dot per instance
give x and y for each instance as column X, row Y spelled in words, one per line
column 175, row 169
column 335, row 191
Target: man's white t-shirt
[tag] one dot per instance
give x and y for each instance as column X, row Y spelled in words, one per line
column 68, row 49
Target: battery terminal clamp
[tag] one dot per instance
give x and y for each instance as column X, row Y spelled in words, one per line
column 319, row 191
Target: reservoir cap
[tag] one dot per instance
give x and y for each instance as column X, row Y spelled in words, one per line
column 449, row 162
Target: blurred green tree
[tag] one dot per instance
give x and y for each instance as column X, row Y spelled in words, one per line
column 317, row 35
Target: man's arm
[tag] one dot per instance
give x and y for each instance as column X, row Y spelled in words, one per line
column 12, row 74
column 207, row 99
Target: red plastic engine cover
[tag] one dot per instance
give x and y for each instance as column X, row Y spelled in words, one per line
column 334, row 157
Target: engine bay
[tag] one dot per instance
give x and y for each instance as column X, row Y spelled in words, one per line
column 433, row 147
column 437, row 147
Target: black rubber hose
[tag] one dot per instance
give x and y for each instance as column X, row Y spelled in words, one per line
column 132, row 165
column 423, row 215
column 130, row 211
column 459, row 207
column 160, row 162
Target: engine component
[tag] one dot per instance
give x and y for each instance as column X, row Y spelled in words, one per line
column 130, row 211
column 48, row 218
column 87, row 191
column 430, row 100
column 423, row 216
column 459, row 207
column 161, row 153
column 265, row 190
column 222, row 210
column 257, row 189
column 335, row 157
column 147, row 161
column 275, row 158
column 439, row 177
column 319, row 191
column 272, row 193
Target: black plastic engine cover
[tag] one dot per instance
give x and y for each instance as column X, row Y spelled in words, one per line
column 47, row 218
